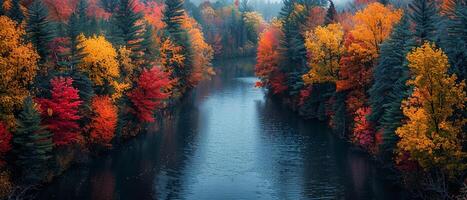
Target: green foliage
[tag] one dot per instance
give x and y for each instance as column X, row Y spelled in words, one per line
column 39, row 29
column 423, row 13
column 127, row 30
column 331, row 14
column 15, row 12
column 32, row 144
column 389, row 87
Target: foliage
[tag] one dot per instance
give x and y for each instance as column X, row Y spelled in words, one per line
column 104, row 121
column 5, row 142
column 325, row 47
column 32, row 143
column 373, row 25
column 423, row 14
column 99, row 60
column 60, row 112
column 149, row 93
column 431, row 135
column 18, row 65
column 268, row 54
column 39, row 29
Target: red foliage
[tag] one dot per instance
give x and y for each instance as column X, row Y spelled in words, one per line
column 355, row 71
column 104, row 121
column 277, row 82
column 268, row 56
column 363, row 131
column 5, row 142
column 304, row 95
column 60, row 10
column 149, row 93
column 59, row 48
column 60, row 112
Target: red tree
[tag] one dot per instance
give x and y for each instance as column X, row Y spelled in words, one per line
column 149, row 93
column 5, row 142
column 104, row 121
column 363, row 131
column 60, row 112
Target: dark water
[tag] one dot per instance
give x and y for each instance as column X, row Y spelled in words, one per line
column 228, row 141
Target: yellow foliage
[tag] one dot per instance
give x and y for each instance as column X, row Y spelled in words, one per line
column 202, row 52
column 432, row 134
column 373, row 25
column 18, row 67
column 100, row 59
column 325, row 47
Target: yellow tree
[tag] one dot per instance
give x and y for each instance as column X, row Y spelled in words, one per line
column 100, row 59
column 325, row 47
column 202, row 52
column 432, row 135
column 18, row 65
column 372, row 26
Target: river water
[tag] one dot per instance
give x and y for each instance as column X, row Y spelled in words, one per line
column 227, row 140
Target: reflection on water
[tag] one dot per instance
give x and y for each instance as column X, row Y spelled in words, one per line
column 228, row 141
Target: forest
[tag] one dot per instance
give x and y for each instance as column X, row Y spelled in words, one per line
column 80, row 77
column 387, row 76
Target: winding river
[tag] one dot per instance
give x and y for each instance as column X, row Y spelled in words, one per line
column 227, row 140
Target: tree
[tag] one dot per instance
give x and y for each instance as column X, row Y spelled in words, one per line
column 432, row 134
column 268, row 54
column 389, row 87
column 363, row 131
column 99, row 60
column 104, row 121
column 174, row 16
column 16, row 13
column 325, row 45
column 202, row 53
column 423, row 13
column 149, row 93
column 372, row 26
column 331, row 14
column 5, row 142
column 454, row 37
column 18, row 64
column 60, row 112
column 39, row 29
column 32, row 143
column 128, row 27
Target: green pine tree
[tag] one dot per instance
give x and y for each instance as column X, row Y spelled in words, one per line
column 32, row 144
column 15, row 12
column 39, row 29
column 423, row 13
column 331, row 14
column 173, row 18
column 148, row 47
column 389, row 87
column 454, row 38
column 127, row 31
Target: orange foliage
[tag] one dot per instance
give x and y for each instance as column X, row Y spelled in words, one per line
column 104, row 121
column 268, row 54
column 363, row 132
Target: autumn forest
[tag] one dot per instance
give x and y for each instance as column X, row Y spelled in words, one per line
column 80, row 79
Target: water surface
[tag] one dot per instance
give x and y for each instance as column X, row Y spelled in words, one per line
column 228, row 141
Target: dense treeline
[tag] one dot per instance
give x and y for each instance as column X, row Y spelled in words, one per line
column 78, row 76
column 232, row 29
column 388, row 77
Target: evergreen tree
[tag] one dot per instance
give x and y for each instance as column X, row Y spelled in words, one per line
column 389, row 87
column 173, row 17
column 423, row 13
column 454, row 38
column 331, row 14
column 127, row 31
column 39, row 28
column 32, row 144
column 148, row 47
column 15, row 12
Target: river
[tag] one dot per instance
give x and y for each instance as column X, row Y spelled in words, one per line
column 227, row 140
